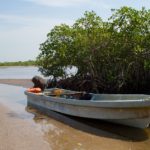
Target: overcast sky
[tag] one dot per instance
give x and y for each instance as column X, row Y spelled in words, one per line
column 24, row 24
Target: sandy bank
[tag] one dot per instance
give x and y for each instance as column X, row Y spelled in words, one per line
column 17, row 82
column 17, row 134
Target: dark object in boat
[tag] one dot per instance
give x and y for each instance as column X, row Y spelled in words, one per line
column 86, row 96
column 39, row 82
column 80, row 96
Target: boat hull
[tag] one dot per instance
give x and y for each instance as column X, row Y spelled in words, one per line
column 138, row 116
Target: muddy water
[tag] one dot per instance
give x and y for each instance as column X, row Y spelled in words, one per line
column 60, row 132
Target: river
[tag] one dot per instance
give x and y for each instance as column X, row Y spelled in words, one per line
column 18, row 72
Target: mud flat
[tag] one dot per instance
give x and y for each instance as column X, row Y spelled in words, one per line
column 17, row 82
column 16, row 134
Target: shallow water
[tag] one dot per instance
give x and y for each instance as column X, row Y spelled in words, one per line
column 61, row 132
column 25, row 72
column 19, row 72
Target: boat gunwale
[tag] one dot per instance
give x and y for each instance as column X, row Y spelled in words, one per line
column 140, row 103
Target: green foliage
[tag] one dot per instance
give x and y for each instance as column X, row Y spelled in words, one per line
column 19, row 63
column 115, row 54
column 131, row 34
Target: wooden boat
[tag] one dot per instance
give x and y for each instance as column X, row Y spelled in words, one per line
column 127, row 109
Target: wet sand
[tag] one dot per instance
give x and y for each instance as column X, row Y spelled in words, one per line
column 23, row 128
column 17, row 82
column 16, row 134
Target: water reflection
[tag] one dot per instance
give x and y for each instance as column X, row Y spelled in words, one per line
column 94, row 126
column 65, row 132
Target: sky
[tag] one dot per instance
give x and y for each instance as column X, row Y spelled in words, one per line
column 24, row 24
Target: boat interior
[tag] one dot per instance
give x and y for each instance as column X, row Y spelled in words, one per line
column 68, row 94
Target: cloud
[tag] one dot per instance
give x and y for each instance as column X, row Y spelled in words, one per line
column 21, row 42
column 100, row 4
column 58, row 3
column 32, row 20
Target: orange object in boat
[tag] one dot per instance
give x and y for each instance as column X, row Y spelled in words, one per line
column 34, row 90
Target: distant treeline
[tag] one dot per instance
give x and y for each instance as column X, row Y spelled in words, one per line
column 19, row 63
